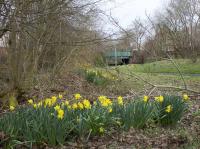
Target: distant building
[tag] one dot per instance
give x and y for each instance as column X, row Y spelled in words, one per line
column 118, row 57
column 124, row 56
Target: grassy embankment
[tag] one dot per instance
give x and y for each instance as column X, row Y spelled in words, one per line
column 166, row 66
column 160, row 72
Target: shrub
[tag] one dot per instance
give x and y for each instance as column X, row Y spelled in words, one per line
column 169, row 110
column 95, row 77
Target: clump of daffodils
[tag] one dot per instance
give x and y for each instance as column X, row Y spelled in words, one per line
column 81, row 117
column 105, row 102
column 60, row 105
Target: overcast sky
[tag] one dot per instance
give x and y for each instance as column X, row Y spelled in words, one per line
column 125, row 11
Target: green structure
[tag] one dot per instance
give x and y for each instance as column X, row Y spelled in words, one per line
column 118, row 57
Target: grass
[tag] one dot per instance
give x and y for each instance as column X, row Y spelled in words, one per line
column 125, row 83
column 166, row 66
column 159, row 73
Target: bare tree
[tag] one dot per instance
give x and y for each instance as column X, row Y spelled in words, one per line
column 43, row 34
column 179, row 27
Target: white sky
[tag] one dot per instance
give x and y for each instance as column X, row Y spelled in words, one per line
column 125, row 11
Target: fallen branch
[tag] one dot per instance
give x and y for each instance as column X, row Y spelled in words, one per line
column 158, row 86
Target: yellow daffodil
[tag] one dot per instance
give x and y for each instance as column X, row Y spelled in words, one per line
column 109, row 101
column 62, row 104
column 60, row 114
column 53, row 100
column 78, row 119
column 86, row 104
column 74, row 106
column 109, row 109
column 30, row 101
column 185, row 97
column 101, row 130
column 80, row 105
column 106, row 102
column 35, row 106
column 101, row 98
column 69, row 107
column 146, row 98
column 168, row 109
column 60, row 96
column 39, row 104
column 95, row 103
column 77, row 96
column 66, row 102
column 57, row 108
column 120, row 100
column 12, row 108
column 159, row 99
column 48, row 102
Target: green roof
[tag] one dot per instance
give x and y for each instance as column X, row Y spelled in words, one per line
column 118, row 54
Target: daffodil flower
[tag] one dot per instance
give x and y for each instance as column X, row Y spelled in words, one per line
column 30, row 101
column 120, row 100
column 77, row 96
column 185, row 97
column 86, row 104
column 12, row 108
column 57, row 108
column 74, row 106
column 146, row 98
column 60, row 114
column 60, row 96
column 80, row 105
column 101, row 130
column 168, row 109
column 159, row 99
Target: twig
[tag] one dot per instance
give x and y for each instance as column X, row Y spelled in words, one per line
column 177, row 67
column 159, row 86
column 152, row 90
